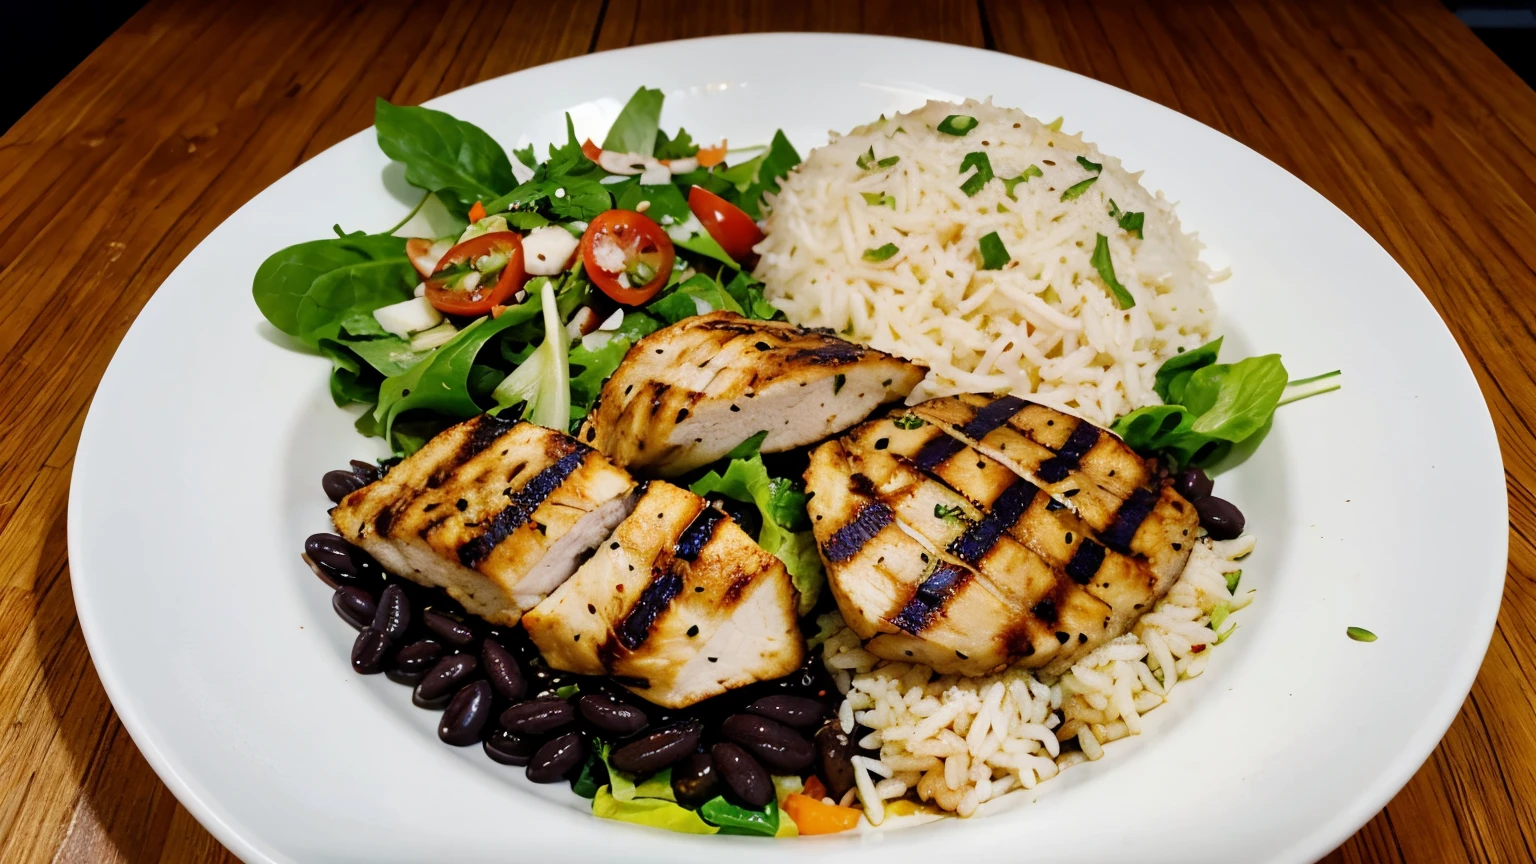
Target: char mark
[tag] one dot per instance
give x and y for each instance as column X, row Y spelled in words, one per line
column 1128, row 519
column 849, row 539
column 929, row 599
column 991, row 416
column 1045, row 610
column 1085, row 561
column 636, row 626
column 937, row 452
column 522, row 506
column 833, row 352
column 1082, row 439
column 487, row 430
column 978, row 540
column 698, row 533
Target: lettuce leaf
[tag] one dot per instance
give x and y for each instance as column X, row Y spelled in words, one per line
column 655, row 812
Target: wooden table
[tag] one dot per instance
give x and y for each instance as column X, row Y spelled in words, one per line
column 1394, row 111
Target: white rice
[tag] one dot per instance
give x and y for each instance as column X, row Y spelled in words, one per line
column 956, row 743
column 1044, row 324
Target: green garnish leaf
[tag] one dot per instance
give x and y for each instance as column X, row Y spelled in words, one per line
column 1360, row 634
column 948, row 514
column 785, row 532
column 1010, row 182
column 880, row 253
column 1131, row 223
column 838, row 381
column 1106, row 267
column 994, row 256
column 1095, row 167
column 1233, row 578
column 634, row 130
column 1077, row 189
column 957, row 124
column 739, row 820
column 983, row 166
column 1223, row 404
column 910, row 421
column 776, row 162
column 1219, row 615
column 879, row 199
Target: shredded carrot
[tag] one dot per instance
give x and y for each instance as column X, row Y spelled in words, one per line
column 497, row 310
column 711, row 156
column 477, row 212
column 814, row 788
column 590, row 150
column 813, row 816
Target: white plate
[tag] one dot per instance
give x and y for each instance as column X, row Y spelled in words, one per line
column 1381, row 506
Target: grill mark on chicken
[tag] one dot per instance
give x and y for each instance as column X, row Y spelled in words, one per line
column 1067, row 459
column 978, row 540
column 993, row 415
column 832, row 353
column 1085, row 562
column 698, row 532
column 523, row 503
column 930, row 598
column 487, row 430
column 1128, row 519
column 937, row 452
column 849, row 539
column 657, row 596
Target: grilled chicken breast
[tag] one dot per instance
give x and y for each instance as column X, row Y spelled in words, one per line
column 1004, row 565
column 496, row 512
column 687, row 394
column 678, row 605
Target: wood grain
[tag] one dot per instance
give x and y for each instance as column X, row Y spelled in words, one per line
column 1394, row 111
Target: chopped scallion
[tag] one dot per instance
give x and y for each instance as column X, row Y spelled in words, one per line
column 1106, row 267
column 983, row 175
column 957, row 124
column 1077, row 189
column 948, row 514
column 994, row 255
column 880, row 253
column 909, row 422
column 1360, row 634
column 1010, row 182
column 1095, row 167
column 879, row 199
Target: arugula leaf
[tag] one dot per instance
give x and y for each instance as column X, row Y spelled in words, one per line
column 880, row 253
column 748, row 293
column 708, row 289
column 634, row 130
column 1106, row 267
column 779, row 158
column 1010, row 182
column 439, row 384
column 566, row 185
column 308, row 290
column 994, row 255
column 1077, row 189
column 681, row 147
column 879, row 199
column 1184, row 364
column 782, row 506
column 598, row 365
column 957, row 124
column 443, row 154
column 525, row 156
column 1095, row 167
column 975, row 182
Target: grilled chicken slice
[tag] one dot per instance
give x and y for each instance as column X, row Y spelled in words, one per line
column 497, row 512
column 687, row 394
column 1058, row 585
column 1088, row 470
column 678, row 605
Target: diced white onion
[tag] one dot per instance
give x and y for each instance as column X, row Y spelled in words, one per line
column 546, row 250
column 407, row 317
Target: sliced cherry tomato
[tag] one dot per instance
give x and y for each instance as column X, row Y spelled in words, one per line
column 477, row 275
column 733, row 229
column 425, row 254
column 590, row 150
column 627, row 256
column 709, row 157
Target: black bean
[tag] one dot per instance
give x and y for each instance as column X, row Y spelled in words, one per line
column 834, row 758
column 658, row 749
column 1193, row 484
column 394, row 612
column 331, row 552
column 798, row 711
column 695, row 780
column 446, row 677
column 610, row 715
column 340, row 484
column 370, row 651
column 557, row 758
column 510, row 748
column 747, row 781
column 449, row 629
column 325, row 575
column 418, row 656
column 538, row 716
column 779, row 747
column 502, row 670
column 366, row 471
column 1220, row 518
column 354, row 605
column 466, row 715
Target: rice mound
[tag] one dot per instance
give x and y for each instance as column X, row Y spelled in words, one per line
column 1045, row 323
column 955, row 743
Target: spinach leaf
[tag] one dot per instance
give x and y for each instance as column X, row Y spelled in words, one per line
column 1183, row 364
column 308, row 290
column 777, row 161
column 668, row 206
column 440, row 383
column 349, row 381
column 691, row 235
column 748, row 293
column 1245, row 398
column 1106, row 267
column 443, row 154
column 733, row 819
column 634, row 130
